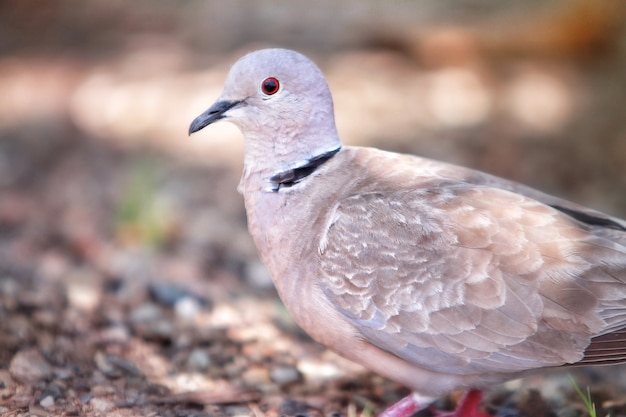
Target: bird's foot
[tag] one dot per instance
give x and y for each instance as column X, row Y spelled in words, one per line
column 407, row 406
column 411, row 404
column 467, row 407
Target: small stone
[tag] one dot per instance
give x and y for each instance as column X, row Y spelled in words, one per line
column 115, row 367
column 21, row 400
column 187, row 308
column 256, row 376
column 158, row 330
column 28, row 366
column 168, row 294
column 284, row 374
column 102, row 405
column 149, row 321
column 319, row 370
column 103, row 364
column 47, row 401
column 114, row 334
column 291, row 408
column 53, row 390
column 145, row 313
column 237, row 410
column 198, row 360
column 81, row 291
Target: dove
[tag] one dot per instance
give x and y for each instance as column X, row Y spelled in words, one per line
column 436, row 276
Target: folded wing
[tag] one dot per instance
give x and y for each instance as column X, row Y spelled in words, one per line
column 465, row 278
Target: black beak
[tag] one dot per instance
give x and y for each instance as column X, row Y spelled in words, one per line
column 215, row 113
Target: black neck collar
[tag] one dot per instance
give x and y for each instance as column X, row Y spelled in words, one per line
column 295, row 175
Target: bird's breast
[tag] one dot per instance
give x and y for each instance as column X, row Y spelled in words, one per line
column 287, row 237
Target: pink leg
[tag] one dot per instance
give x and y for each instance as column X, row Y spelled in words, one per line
column 411, row 404
column 407, row 406
column 467, row 407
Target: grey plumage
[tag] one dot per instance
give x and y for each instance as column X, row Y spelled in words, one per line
column 434, row 275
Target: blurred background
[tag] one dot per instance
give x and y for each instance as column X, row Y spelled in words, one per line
column 117, row 225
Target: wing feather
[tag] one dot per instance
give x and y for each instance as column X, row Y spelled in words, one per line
column 468, row 279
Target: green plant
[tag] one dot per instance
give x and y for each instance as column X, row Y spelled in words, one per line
column 141, row 217
column 589, row 404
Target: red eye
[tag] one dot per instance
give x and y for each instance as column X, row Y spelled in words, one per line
column 270, row 86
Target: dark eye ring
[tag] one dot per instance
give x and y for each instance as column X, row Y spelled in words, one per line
column 270, row 86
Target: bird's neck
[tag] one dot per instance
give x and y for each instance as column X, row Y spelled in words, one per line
column 268, row 168
column 290, row 177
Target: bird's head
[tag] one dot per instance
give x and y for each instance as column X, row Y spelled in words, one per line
column 281, row 102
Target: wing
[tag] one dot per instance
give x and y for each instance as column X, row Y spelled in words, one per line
column 467, row 279
column 599, row 223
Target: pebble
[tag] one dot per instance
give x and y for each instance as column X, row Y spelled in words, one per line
column 256, row 376
column 53, row 390
column 150, row 322
column 117, row 333
column 102, row 405
column 115, row 367
column 47, row 401
column 318, row 370
column 161, row 330
column 187, row 308
column 21, row 400
column 81, row 291
column 145, row 313
column 297, row 408
column 28, row 366
column 168, row 294
column 199, row 360
column 237, row 410
column 284, row 374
